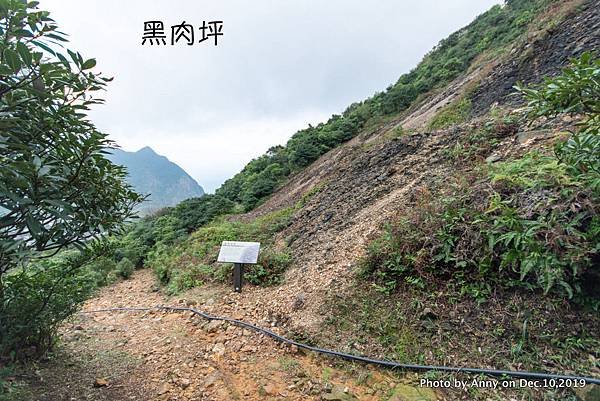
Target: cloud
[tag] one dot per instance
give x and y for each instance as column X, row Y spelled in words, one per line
column 279, row 66
column 219, row 153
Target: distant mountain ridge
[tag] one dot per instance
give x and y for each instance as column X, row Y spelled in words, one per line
column 151, row 174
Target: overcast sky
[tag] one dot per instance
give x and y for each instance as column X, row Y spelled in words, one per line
column 279, row 66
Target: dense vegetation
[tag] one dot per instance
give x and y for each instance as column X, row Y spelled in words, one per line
column 530, row 222
column 57, row 190
column 493, row 29
column 181, row 244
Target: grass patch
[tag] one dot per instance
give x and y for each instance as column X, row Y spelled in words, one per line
column 396, row 132
column 440, row 327
column 289, row 365
column 310, row 194
column 455, row 113
column 477, row 144
column 191, row 263
column 366, row 319
column 533, row 171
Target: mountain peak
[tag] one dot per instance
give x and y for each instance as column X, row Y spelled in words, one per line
column 152, row 174
column 147, row 149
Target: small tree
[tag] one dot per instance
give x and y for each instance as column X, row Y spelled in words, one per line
column 57, row 189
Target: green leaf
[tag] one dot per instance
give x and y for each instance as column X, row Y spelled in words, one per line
column 37, row 162
column 91, row 63
column 5, row 70
column 43, row 171
column 34, row 226
column 44, row 47
column 24, row 53
column 60, row 38
column 63, row 59
column 74, row 57
column 12, row 59
column 24, row 33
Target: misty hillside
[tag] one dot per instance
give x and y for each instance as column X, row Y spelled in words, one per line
column 449, row 223
column 153, row 174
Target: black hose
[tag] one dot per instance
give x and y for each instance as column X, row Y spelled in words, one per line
column 388, row 364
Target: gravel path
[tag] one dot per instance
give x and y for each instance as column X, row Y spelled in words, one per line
column 177, row 356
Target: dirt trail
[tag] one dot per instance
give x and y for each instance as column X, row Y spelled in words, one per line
column 176, row 356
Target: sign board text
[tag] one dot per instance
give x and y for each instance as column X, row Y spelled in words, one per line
column 239, row 252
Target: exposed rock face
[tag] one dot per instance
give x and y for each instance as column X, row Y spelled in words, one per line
column 543, row 55
column 365, row 181
column 153, row 174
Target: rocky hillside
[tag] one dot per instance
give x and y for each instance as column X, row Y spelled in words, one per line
column 432, row 223
column 450, row 220
column 361, row 185
column 151, row 174
column 351, row 193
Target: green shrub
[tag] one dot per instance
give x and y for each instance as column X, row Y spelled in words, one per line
column 132, row 248
column 270, row 268
column 196, row 212
column 192, row 261
column 98, row 270
column 432, row 242
column 159, row 258
column 476, row 144
column 125, row 268
column 520, row 225
column 531, row 222
column 574, row 92
column 36, row 300
column 190, row 277
column 580, row 153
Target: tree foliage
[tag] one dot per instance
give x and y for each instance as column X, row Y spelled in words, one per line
column 196, row 212
column 57, row 189
column 56, row 186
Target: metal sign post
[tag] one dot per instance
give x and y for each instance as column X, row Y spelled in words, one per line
column 238, row 274
column 238, row 253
